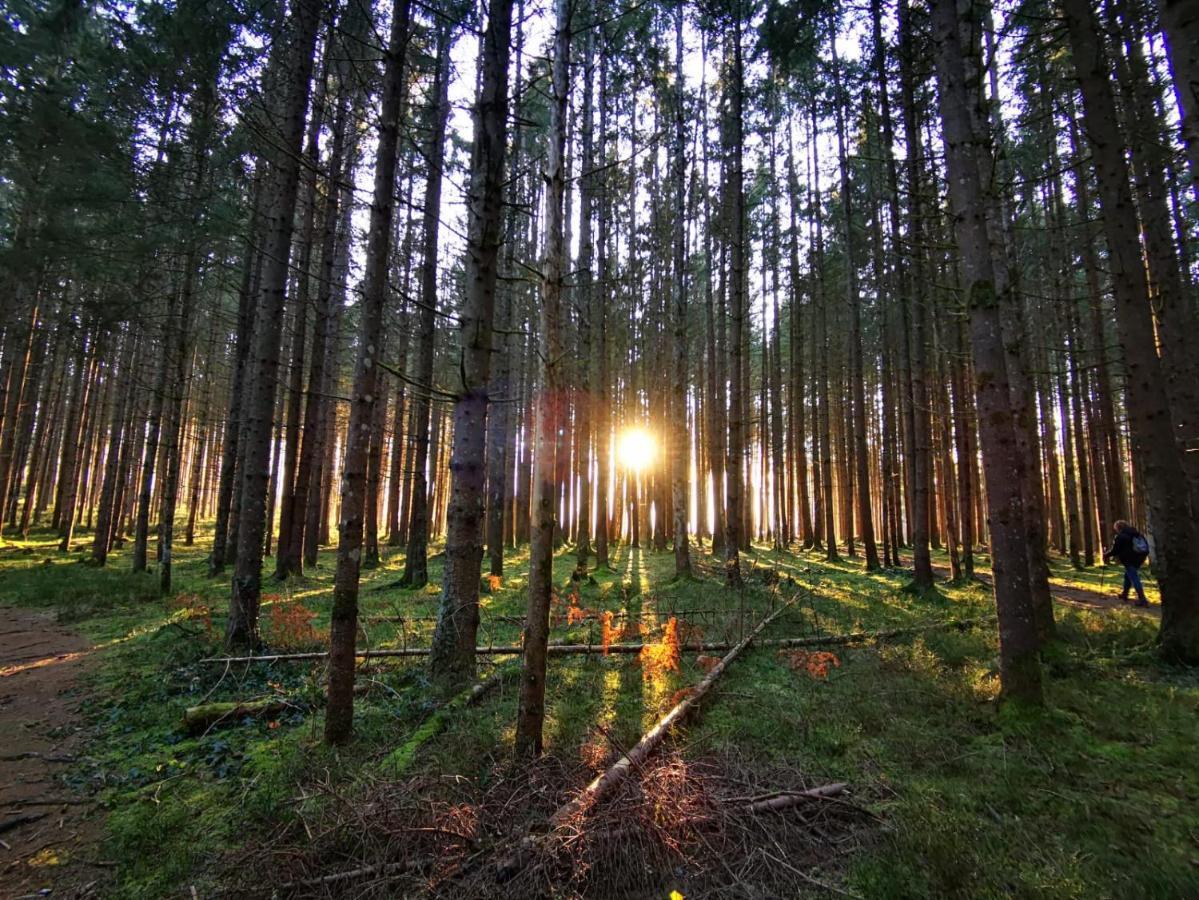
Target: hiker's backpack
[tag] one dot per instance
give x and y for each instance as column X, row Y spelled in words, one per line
column 1140, row 546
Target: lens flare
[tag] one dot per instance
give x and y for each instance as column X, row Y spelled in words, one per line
column 636, row 449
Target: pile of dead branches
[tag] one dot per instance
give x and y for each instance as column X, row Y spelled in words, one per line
column 719, row 826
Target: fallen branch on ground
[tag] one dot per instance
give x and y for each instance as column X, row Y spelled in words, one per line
column 820, row 640
column 615, row 775
column 787, row 799
column 18, row 821
column 33, row 754
column 619, row 770
column 395, row 868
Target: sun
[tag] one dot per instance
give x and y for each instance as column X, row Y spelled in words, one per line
column 636, row 449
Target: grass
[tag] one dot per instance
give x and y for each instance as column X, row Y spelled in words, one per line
column 1094, row 797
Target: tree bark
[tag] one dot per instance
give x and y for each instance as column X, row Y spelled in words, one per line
column 297, row 52
column 735, row 212
column 416, row 560
column 680, row 462
column 1149, row 417
column 530, row 716
column 1020, row 670
column 343, row 625
column 1180, row 22
column 452, row 663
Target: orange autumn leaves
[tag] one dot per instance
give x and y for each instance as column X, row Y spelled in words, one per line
column 288, row 626
column 290, row 623
column 194, row 609
column 660, row 658
column 815, row 663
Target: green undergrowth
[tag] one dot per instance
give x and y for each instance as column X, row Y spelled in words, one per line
column 1094, row 797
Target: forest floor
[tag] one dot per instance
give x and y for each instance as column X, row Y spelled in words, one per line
column 947, row 795
column 45, row 826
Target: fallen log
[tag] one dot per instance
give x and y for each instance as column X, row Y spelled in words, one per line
column 198, row 719
column 819, row 640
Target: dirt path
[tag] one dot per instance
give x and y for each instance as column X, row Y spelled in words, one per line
column 46, row 832
column 1082, row 598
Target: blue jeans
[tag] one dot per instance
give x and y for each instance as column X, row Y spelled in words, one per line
column 1132, row 578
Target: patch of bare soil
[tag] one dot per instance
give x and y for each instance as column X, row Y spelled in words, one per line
column 47, row 833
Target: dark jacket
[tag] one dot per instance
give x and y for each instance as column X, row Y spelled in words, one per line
column 1123, row 550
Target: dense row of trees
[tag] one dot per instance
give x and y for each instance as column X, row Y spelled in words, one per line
column 918, row 277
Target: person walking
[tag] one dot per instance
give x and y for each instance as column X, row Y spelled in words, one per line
column 1131, row 548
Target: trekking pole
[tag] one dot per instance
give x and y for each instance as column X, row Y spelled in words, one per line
column 1102, row 576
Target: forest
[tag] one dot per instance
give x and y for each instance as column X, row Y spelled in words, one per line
column 599, row 448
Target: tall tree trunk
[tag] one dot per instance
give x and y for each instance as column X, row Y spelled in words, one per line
column 416, row 560
column 599, row 366
column 865, row 515
column 1180, row 22
column 530, row 716
column 232, row 447
column 1173, row 306
column 74, row 446
column 735, row 211
column 915, row 298
column 343, row 626
column 452, row 661
column 798, row 445
column 17, row 358
column 297, row 54
column 1150, row 422
column 107, row 506
column 1020, row 670
column 141, row 534
column 306, row 490
column 680, row 457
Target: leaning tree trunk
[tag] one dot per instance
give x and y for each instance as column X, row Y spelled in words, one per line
column 530, row 716
column 1020, row 670
column 257, row 421
column 452, row 662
